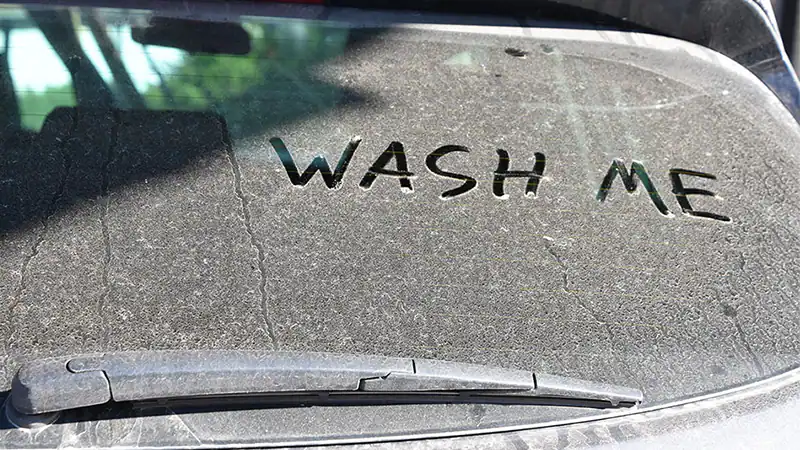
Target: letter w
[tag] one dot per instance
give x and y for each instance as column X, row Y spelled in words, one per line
column 332, row 179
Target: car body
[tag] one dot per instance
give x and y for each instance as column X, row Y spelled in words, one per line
column 411, row 181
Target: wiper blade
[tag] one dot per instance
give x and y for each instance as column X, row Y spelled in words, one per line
column 290, row 378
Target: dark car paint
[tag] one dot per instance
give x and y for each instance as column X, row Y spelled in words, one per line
column 756, row 186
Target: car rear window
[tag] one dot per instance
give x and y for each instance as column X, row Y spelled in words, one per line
column 576, row 202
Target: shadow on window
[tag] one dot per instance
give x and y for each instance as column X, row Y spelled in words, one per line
column 108, row 140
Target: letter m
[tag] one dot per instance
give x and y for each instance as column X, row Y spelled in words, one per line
column 628, row 180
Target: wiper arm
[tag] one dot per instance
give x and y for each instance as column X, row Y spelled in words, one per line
column 290, row 378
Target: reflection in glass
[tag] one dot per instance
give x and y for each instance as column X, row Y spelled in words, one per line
column 80, row 58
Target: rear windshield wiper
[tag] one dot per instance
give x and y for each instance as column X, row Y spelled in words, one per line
column 289, row 379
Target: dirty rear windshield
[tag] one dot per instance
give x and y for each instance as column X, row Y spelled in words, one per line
column 579, row 203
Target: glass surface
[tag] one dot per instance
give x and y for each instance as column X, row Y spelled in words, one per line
column 458, row 194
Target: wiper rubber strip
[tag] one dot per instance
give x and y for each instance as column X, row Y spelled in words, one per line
column 290, row 379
